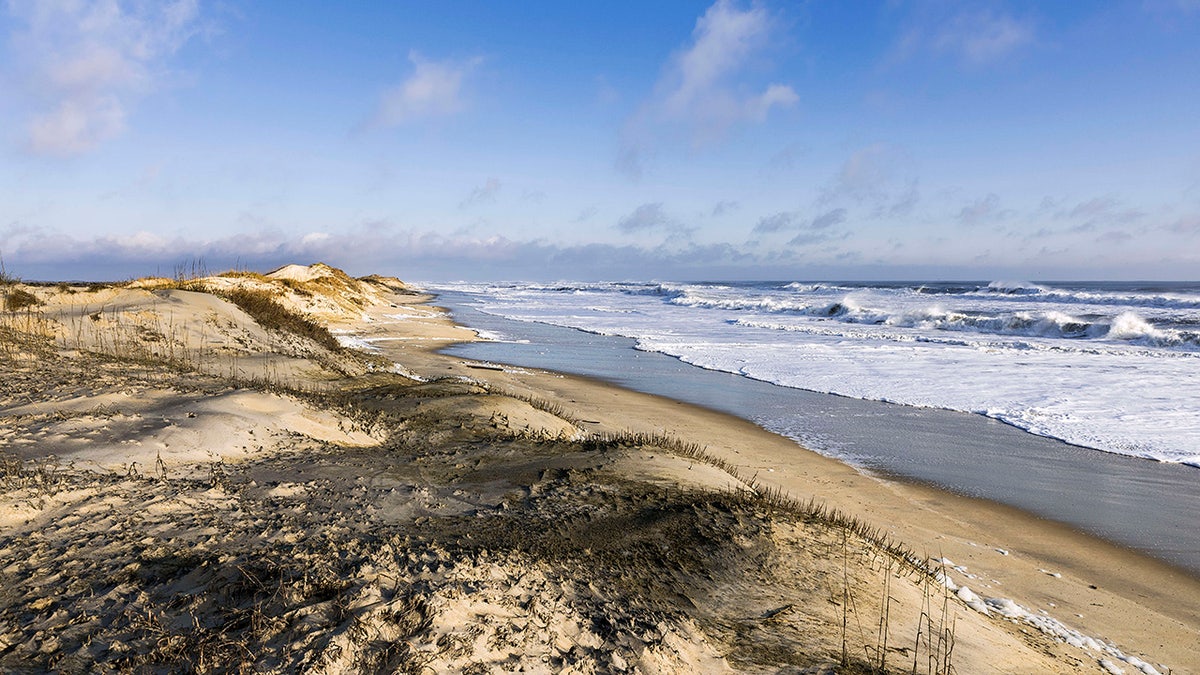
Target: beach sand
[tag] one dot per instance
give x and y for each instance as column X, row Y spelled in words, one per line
column 189, row 482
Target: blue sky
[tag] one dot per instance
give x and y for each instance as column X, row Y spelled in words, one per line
column 669, row 140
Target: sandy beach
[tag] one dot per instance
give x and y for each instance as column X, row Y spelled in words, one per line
column 281, row 473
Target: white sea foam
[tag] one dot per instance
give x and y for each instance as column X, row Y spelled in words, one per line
column 496, row 336
column 351, row 341
column 1043, row 622
column 1112, row 367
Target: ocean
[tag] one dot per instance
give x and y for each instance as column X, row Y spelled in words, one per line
column 1113, row 367
column 1088, row 417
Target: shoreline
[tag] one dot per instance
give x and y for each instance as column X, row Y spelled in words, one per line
column 218, row 489
column 1122, row 594
column 964, row 453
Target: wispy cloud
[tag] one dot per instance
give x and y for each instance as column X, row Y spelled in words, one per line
column 1167, row 10
column 1186, row 225
column 975, row 37
column 822, row 227
column 1100, row 212
column 775, row 222
column 787, row 157
column 1115, row 236
column 725, row 206
column 870, row 179
column 983, row 211
column 983, row 36
column 86, row 64
column 482, row 194
column 653, row 218
column 650, row 216
column 434, row 89
column 702, row 91
column 586, row 214
column 696, row 87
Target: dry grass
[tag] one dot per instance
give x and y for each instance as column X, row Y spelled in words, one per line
column 157, row 342
column 773, row 499
column 933, row 644
column 260, row 304
column 270, row 606
column 271, row 315
column 24, row 335
column 361, row 595
column 45, row 477
column 541, row 404
column 17, row 299
column 246, row 274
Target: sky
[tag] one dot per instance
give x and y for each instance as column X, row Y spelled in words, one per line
column 439, row 141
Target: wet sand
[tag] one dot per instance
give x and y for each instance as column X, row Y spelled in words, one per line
column 1101, row 588
column 1142, row 504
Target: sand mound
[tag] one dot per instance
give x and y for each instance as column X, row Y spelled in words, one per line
column 179, row 432
column 237, row 324
column 502, row 414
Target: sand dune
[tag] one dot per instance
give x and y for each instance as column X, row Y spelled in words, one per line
column 195, row 482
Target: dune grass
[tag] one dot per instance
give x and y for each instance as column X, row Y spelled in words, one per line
column 18, row 298
column 259, row 303
column 272, row 315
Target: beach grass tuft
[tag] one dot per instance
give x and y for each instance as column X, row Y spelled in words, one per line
column 269, row 313
column 17, row 299
column 541, row 404
column 773, row 498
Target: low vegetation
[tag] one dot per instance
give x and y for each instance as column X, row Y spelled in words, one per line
column 270, row 314
column 17, row 299
column 351, row 573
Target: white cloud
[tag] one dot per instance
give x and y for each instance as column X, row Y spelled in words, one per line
column 372, row 247
column 975, row 36
column 776, row 95
column 85, row 64
column 982, row 37
column 696, row 84
column 433, row 90
column 703, row 91
column 313, row 238
column 414, row 254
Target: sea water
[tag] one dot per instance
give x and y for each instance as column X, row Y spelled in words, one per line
column 1113, row 367
column 1113, row 493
